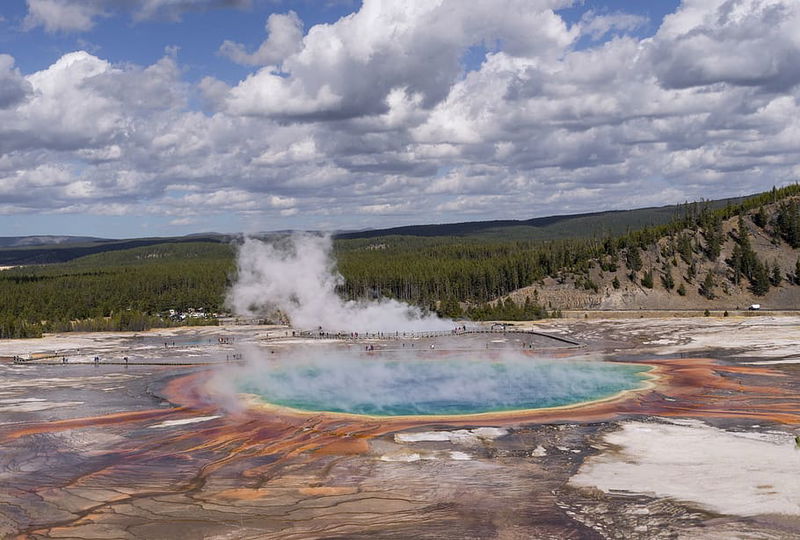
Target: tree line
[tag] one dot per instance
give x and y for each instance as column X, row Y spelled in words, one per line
column 125, row 290
column 131, row 289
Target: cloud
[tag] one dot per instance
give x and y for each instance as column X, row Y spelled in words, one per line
column 174, row 9
column 81, row 15
column 350, row 68
column 285, row 35
column 737, row 42
column 62, row 15
column 84, row 102
column 597, row 26
column 183, row 222
column 373, row 119
column 13, row 87
column 81, row 134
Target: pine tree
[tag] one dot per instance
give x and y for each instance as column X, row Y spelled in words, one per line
column 685, row 248
column 666, row 278
column 759, row 284
column 788, row 223
column 743, row 260
column 707, row 287
column 682, row 289
column 735, row 262
column 713, row 235
column 777, row 276
column 616, row 284
column 450, row 308
column 748, row 255
column 797, row 272
column 647, row 279
column 634, row 259
column 760, row 217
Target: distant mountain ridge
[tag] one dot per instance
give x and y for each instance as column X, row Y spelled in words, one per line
column 48, row 249
column 69, row 250
column 592, row 224
column 47, row 239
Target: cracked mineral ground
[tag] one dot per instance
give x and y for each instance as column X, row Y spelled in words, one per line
column 156, row 447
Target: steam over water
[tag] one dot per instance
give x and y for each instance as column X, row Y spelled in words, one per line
column 429, row 384
column 297, row 276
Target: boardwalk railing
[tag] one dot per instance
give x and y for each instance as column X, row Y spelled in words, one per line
column 342, row 336
column 352, row 336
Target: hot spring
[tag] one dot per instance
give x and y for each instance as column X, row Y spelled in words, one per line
column 296, row 277
column 381, row 384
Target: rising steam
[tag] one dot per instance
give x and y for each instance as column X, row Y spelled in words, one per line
column 422, row 382
column 297, row 277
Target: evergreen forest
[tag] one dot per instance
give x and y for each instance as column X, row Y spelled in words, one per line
column 457, row 276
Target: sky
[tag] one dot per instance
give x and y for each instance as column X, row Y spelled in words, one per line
column 126, row 118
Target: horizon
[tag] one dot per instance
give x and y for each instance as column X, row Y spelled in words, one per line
column 161, row 119
column 334, row 232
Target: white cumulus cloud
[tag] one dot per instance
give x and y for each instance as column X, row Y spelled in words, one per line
column 374, row 119
column 285, row 35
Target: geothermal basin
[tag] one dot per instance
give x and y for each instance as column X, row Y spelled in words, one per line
column 432, row 383
column 685, row 429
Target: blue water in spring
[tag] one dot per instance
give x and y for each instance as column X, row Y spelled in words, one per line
column 456, row 384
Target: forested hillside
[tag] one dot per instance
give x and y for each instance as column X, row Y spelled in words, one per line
column 47, row 239
column 706, row 255
column 726, row 259
column 30, row 250
column 653, row 266
column 16, row 251
column 574, row 226
column 124, row 290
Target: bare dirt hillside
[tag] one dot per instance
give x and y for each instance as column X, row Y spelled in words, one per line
column 679, row 265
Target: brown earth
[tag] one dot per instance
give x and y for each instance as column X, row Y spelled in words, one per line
column 565, row 292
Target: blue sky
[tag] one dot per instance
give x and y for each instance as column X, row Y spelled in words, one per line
column 198, row 35
column 137, row 118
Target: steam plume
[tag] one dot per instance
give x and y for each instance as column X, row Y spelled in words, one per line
column 297, row 276
column 327, row 378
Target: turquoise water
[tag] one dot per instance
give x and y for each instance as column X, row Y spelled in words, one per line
column 455, row 385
